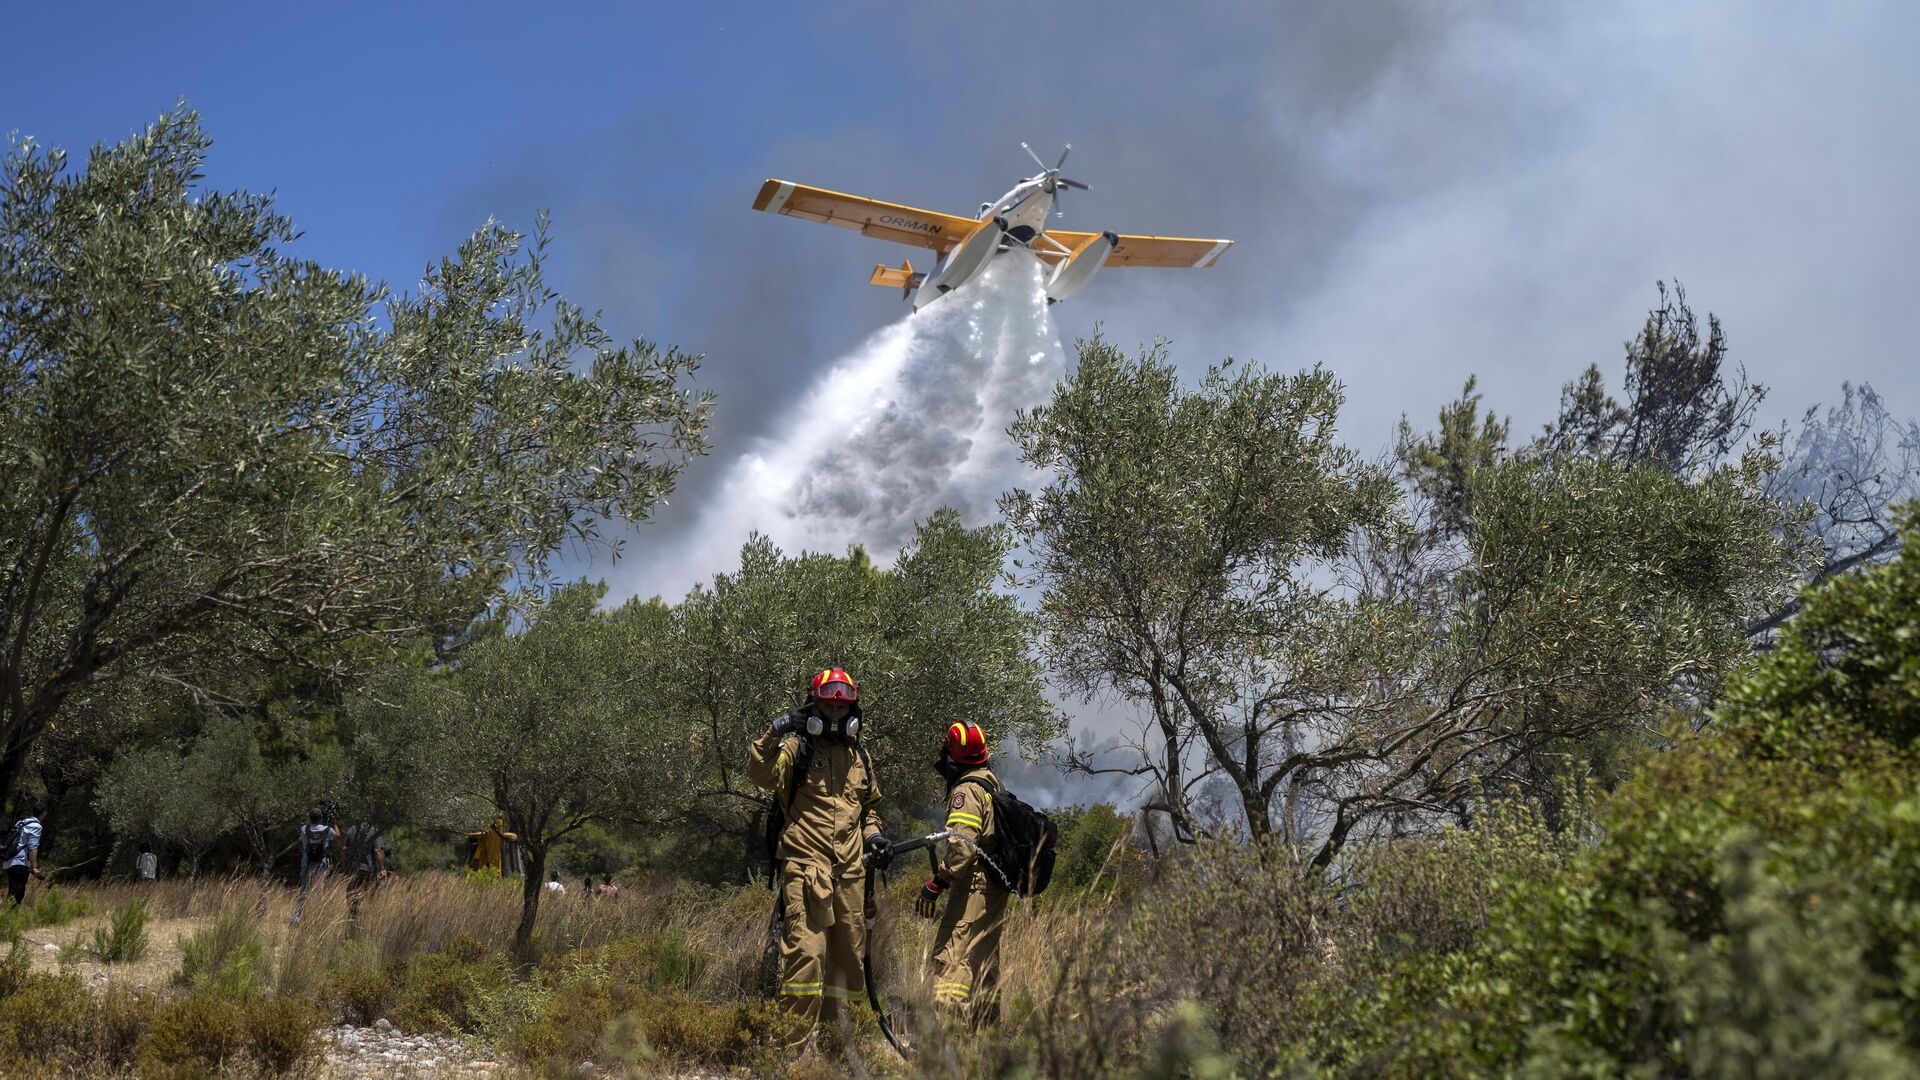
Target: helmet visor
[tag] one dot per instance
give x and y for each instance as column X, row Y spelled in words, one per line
column 837, row 691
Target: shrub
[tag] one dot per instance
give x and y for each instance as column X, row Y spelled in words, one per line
column 358, row 995
column 15, row 968
column 14, row 921
column 195, row 1035
column 119, row 1019
column 124, row 938
column 439, row 992
column 56, row 905
column 224, row 958
column 1094, row 852
column 280, row 1033
column 44, row 1019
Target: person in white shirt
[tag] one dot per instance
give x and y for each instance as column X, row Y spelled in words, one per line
column 147, row 866
column 24, row 858
column 553, row 883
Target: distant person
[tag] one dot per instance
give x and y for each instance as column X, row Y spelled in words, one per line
column 607, row 889
column 146, row 865
column 553, row 883
column 364, row 860
column 23, row 854
column 386, row 861
column 318, row 840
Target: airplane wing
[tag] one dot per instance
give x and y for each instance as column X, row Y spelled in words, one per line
column 1141, row 250
column 884, row 220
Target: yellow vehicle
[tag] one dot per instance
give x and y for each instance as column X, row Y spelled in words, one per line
column 494, row 849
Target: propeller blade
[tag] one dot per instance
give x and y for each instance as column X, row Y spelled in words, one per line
column 1034, row 156
column 1063, row 157
column 1064, row 182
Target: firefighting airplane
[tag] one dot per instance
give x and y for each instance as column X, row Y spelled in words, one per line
column 965, row 245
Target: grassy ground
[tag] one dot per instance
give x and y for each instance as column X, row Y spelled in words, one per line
column 663, row 980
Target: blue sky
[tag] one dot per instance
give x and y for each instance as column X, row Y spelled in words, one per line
column 1419, row 191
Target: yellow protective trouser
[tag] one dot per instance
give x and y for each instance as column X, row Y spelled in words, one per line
column 821, row 947
column 966, row 949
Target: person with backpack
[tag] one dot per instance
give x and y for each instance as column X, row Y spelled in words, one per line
column 966, row 947
column 364, row 860
column 23, row 852
column 825, row 794
column 318, row 838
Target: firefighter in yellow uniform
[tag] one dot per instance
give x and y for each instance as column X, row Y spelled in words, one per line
column 966, row 948
column 812, row 762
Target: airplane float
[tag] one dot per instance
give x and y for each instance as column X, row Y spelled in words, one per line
column 964, row 246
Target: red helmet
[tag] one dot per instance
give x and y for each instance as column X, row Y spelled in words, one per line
column 966, row 743
column 833, row 684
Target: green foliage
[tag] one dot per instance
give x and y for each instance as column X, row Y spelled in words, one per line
column 204, row 1034
column 224, row 958
column 631, row 1001
column 15, row 969
column 1178, row 544
column 1750, row 908
column 45, row 1018
column 1847, row 667
column 443, row 991
column 1445, row 466
column 215, row 455
column 550, row 724
column 1095, row 853
column 14, row 920
column 56, row 905
column 358, row 995
column 124, row 938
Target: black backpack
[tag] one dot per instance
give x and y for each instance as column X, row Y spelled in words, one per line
column 10, row 843
column 1024, row 842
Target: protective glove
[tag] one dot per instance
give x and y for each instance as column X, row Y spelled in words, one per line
column 929, row 897
column 786, row 722
column 879, row 851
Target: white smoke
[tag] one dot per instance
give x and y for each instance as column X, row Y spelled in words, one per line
column 911, row 421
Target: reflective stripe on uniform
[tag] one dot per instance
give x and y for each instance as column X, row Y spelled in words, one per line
column 846, row 993
column 801, row 989
column 960, row 817
column 952, row 988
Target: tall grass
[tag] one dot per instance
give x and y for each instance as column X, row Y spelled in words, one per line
column 428, row 950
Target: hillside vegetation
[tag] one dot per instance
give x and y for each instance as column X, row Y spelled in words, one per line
column 1583, row 754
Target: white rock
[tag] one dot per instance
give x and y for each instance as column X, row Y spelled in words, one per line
column 51, row 947
column 383, row 1025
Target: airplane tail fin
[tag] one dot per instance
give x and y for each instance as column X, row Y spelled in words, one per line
column 905, row 278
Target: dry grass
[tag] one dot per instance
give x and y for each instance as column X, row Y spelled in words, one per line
column 717, row 933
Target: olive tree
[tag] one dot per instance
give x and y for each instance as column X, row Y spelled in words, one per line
column 1217, row 557
column 549, row 726
column 214, row 452
column 1177, row 547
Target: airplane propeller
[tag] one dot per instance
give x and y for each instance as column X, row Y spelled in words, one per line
column 1054, row 180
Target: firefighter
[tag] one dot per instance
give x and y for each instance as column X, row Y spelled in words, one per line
column 966, row 948
column 812, row 761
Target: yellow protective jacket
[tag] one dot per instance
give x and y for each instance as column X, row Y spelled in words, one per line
column 970, row 819
column 832, row 809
